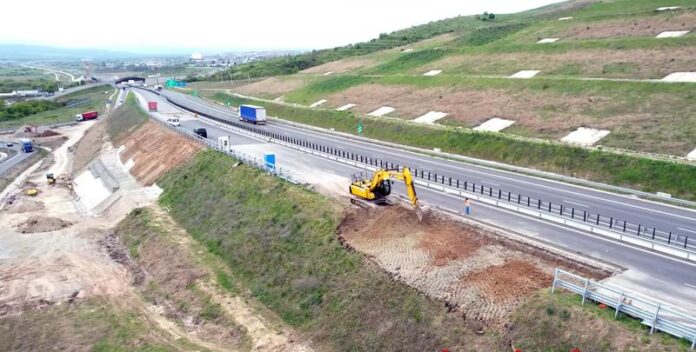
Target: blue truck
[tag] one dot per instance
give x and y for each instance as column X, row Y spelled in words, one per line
column 27, row 145
column 253, row 114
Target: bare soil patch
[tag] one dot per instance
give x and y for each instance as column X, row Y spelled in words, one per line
column 155, row 150
column 20, row 204
column 482, row 276
column 342, row 66
column 88, row 147
column 39, row 223
column 271, row 87
column 647, row 26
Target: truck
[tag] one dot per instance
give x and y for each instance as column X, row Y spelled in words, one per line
column 200, row 132
column 152, row 105
column 27, row 145
column 89, row 115
column 253, row 114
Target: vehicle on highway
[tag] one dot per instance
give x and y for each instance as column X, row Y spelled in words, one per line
column 201, row 132
column 252, row 113
column 9, row 144
column 89, row 115
column 27, row 145
column 174, row 122
column 152, row 106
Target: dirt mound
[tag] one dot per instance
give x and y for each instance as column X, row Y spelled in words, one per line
column 479, row 274
column 154, row 150
column 42, row 224
column 23, row 205
column 47, row 133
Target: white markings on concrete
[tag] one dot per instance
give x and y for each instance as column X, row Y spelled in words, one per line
column 578, row 204
column 407, row 50
column 585, row 136
column 328, row 73
column 525, row 74
column 129, row 164
column 495, row 124
column 672, row 34
column 692, row 155
column 280, row 98
column 90, row 190
column 687, row 230
column 382, row 111
column 432, row 73
column 318, row 103
column 548, row 40
column 668, row 8
column 680, row 77
column 690, row 285
column 345, row 107
column 430, row 117
column 565, row 18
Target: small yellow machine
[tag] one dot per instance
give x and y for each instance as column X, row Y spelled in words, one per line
column 377, row 189
column 50, row 179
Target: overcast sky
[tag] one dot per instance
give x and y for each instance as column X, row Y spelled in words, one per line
column 207, row 25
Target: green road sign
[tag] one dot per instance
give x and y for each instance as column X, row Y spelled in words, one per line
column 227, row 103
column 360, row 127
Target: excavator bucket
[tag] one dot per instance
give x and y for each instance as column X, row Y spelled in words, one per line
column 422, row 212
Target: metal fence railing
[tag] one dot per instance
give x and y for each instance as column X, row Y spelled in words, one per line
column 658, row 316
column 644, row 235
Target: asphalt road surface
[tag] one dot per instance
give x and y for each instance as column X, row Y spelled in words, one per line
column 650, row 273
column 15, row 157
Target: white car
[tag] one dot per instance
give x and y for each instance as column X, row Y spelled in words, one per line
column 174, row 122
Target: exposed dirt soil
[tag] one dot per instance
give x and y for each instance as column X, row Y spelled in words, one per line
column 88, row 147
column 648, row 26
column 634, row 63
column 155, row 150
column 271, row 87
column 481, row 275
column 38, row 223
column 22, row 204
column 342, row 66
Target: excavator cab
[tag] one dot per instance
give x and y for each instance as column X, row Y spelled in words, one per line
column 375, row 189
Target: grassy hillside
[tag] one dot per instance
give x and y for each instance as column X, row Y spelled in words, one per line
column 126, row 119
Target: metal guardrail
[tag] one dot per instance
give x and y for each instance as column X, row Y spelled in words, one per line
column 655, row 314
column 674, row 244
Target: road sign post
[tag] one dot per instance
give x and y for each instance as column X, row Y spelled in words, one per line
column 360, row 127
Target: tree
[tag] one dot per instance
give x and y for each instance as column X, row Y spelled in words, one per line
column 383, row 35
column 491, row 16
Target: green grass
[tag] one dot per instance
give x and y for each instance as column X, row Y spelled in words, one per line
column 558, row 322
column 638, row 173
column 322, row 87
column 96, row 100
column 127, row 118
column 93, row 325
column 408, row 61
column 279, row 241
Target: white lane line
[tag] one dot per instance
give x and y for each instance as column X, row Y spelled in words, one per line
column 690, row 285
column 578, row 204
column 687, row 230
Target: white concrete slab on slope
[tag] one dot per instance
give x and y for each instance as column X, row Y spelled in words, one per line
column 692, row 155
column 432, row 73
column 495, row 124
column 672, row 34
column 585, row 136
column 382, row 111
column 548, row 40
column 328, row 73
column 318, row 103
column 129, row 164
column 345, row 107
column 680, row 77
column 90, row 190
column 525, row 74
column 407, row 50
column 280, row 98
column 430, row 117
column 668, row 8
column 565, row 18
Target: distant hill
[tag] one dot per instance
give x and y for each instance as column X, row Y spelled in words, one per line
column 34, row 52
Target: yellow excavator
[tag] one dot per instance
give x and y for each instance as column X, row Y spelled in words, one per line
column 377, row 189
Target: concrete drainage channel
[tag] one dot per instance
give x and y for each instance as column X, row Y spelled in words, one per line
column 676, row 245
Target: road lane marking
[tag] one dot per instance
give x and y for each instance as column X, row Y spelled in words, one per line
column 687, row 230
column 578, row 204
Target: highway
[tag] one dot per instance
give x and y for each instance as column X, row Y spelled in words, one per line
column 648, row 272
column 680, row 221
column 14, row 158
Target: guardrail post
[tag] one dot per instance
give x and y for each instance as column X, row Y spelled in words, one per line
column 539, row 204
column 669, row 239
column 555, row 278
column 561, row 211
column 618, row 305
column 572, row 213
column 653, row 235
column 457, row 183
column 549, row 207
column 584, row 291
column 685, row 241
column 509, row 196
column 466, row 185
column 638, row 232
column 598, row 216
column 490, row 191
column 611, row 223
column 657, row 312
column 450, row 181
column 624, row 226
column 500, row 193
column 584, row 215
column 482, row 187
